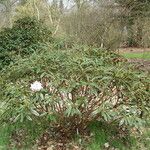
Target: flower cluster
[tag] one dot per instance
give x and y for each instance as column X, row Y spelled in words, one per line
column 36, row 86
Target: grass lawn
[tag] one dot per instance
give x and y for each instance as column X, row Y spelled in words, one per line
column 144, row 55
column 101, row 135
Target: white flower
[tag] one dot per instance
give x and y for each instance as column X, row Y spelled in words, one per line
column 106, row 145
column 36, row 86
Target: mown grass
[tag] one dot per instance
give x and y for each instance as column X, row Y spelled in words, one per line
column 144, row 55
column 108, row 134
column 27, row 142
column 4, row 137
column 102, row 134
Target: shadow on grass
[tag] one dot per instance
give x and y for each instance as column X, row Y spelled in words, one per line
column 103, row 133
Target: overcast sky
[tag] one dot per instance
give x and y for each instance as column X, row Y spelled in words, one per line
column 67, row 3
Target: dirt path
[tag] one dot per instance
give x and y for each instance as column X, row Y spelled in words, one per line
column 141, row 64
column 134, row 50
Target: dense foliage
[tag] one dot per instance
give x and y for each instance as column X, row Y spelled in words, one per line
column 57, row 84
column 22, row 39
column 79, row 86
column 135, row 14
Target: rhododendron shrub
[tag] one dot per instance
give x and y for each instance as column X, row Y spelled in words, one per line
column 70, row 89
column 26, row 36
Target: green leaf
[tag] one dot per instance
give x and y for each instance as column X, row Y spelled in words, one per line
column 29, row 118
column 122, row 121
column 34, row 112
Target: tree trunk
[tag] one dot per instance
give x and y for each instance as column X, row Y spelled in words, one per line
column 139, row 33
column 130, row 33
